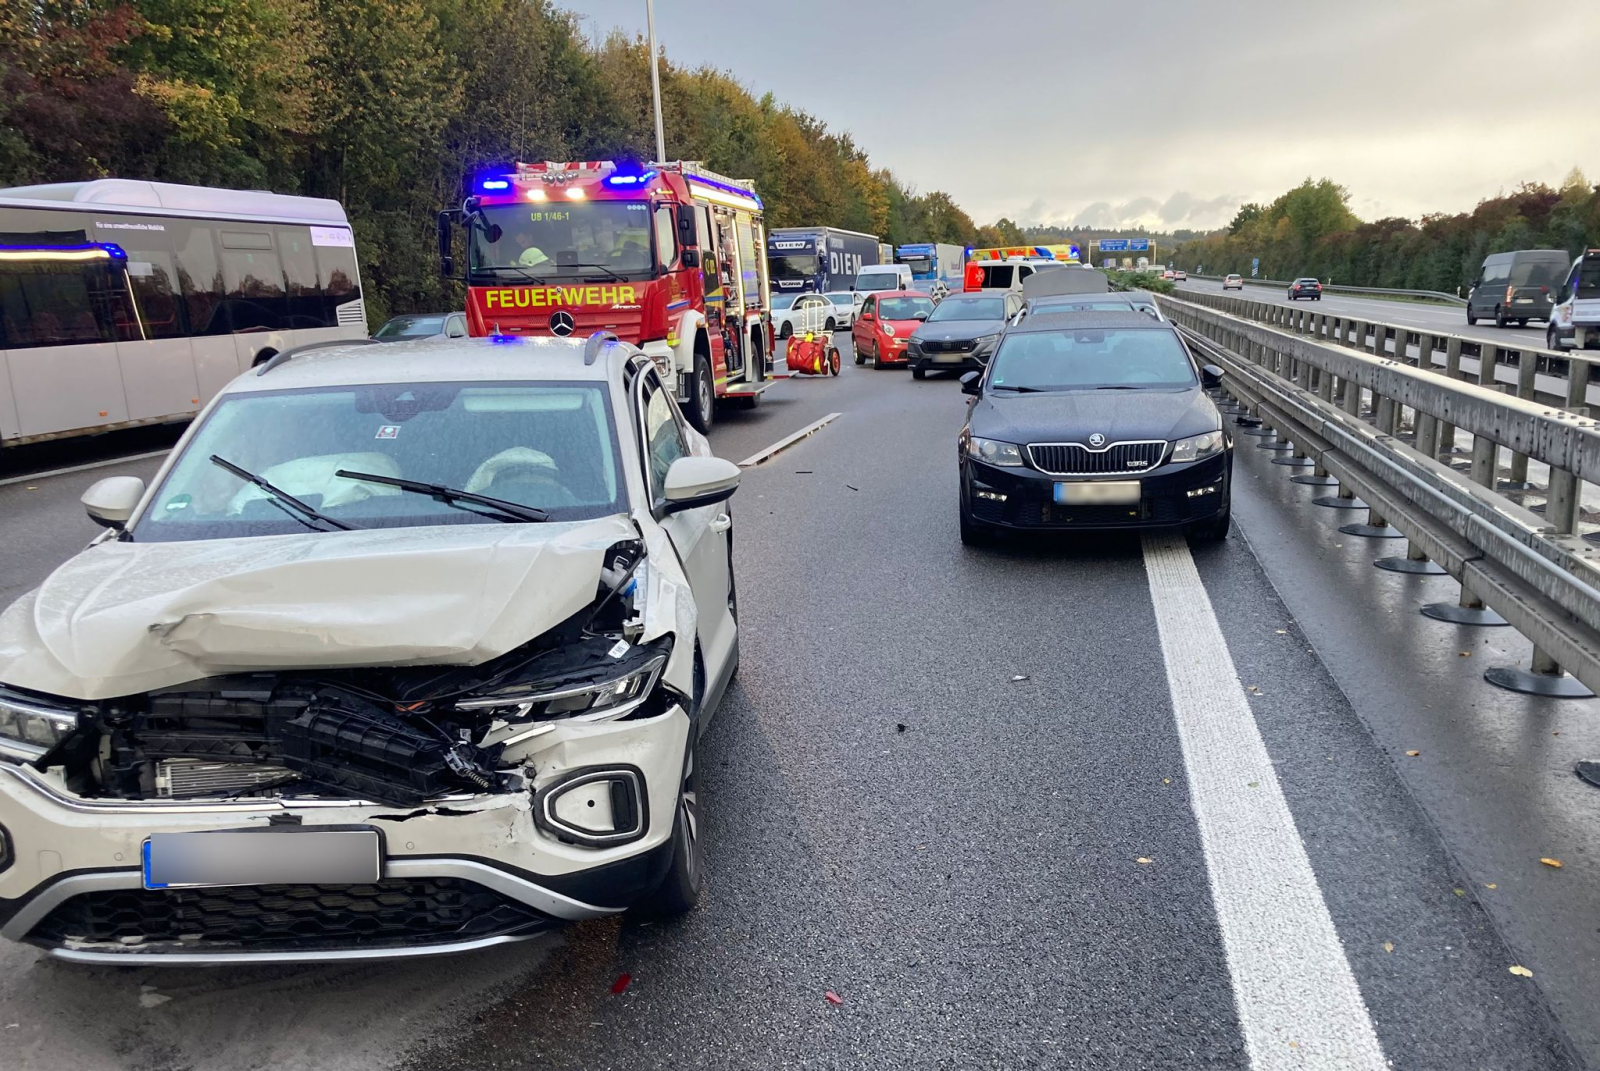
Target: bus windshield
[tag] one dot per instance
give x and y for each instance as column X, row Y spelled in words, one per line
column 566, row 239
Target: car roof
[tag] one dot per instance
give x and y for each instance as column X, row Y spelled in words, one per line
column 1044, row 301
column 973, row 295
column 1079, row 321
column 438, row 360
column 900, row 293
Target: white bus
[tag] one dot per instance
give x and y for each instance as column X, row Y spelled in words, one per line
column 126, row 302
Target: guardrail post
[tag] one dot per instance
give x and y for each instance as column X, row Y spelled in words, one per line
column 1527, row 369
column 1577, row 385
column 1469, row 609
column 1452, row 370
column 1488, row 361
column 1485, row 460
column 1384, row 414
column 1425, row 344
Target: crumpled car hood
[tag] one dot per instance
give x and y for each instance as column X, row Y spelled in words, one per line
column 122, row 618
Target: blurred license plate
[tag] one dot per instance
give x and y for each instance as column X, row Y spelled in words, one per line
column 276, row 857
column 949, row 358
column 1524, row 301
column 1099, row 493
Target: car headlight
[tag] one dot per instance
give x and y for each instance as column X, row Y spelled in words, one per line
column 29, row 729
column 603, row 693
column 888, row 329
column 1198, row 447
column 995, row 452
column 986, row 342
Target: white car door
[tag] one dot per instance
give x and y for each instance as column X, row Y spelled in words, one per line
column 701, row 535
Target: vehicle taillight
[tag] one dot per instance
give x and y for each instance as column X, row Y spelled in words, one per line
column 1510, row 291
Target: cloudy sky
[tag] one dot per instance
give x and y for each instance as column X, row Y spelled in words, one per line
column 1165, row 113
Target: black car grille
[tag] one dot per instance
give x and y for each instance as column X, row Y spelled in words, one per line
column 949, row 345
column 1075, row 459
column 300, row 917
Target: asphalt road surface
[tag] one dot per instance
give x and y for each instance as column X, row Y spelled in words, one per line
column 1088, row 803
column 1418, row 316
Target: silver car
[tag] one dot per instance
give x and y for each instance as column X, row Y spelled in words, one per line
column 407, row 649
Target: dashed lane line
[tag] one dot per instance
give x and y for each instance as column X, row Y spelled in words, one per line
column 1298, row 1003
column 45, row 475
column 787, row 441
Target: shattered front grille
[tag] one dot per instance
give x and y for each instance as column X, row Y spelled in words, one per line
column 261, row 917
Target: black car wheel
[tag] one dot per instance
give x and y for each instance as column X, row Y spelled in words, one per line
column 1499, row 317
column 829, row 326
column 974, row 533
column 855, row 349
column 1214, row 529
column 1472, row 317
column 786, row 330
column 877, row 357
column 918, row 372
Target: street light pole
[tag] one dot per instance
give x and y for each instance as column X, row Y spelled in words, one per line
column 655, row 78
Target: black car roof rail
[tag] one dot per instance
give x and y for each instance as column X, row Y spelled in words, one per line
column 284, row 356
column 597, row 342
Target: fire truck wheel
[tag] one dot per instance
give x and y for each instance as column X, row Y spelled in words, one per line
column 702, row 395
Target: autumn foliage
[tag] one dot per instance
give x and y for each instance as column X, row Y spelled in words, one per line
column 388, row 104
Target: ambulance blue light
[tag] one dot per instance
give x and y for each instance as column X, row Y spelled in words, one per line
column 505, row 340
column 495, row 184
column 628, row 179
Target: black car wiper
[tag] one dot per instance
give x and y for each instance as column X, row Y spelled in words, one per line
column 1020, row 390
column 1118, row 386
column 281, row 498
column 453, row 496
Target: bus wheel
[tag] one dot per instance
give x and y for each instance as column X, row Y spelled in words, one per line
column 702, row 394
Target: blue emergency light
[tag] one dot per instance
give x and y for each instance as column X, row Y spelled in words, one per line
column 628, row 176
column 494, row 184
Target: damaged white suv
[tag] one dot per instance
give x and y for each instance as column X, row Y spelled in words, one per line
column 407, row 650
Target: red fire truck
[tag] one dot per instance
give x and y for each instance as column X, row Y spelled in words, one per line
column 668, row 256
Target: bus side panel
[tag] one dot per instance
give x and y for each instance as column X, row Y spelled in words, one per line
column 67, row 388
column 158, row 378
column 8, row 402
column 216, row 363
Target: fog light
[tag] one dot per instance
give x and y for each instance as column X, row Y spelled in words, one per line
column 596, row 806
column 1198, row 491
column 992, row 496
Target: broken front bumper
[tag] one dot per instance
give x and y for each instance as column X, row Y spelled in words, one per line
column 454, row 874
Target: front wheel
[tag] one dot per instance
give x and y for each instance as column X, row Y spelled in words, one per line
column 855, row 349
column 877, row 357
column 680, row 889
column 702, row 395
column 974, row 534
column 918, row 372
column 1214, row 530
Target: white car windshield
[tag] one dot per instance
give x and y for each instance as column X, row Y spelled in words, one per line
column 550, row 447
column 1090, row 359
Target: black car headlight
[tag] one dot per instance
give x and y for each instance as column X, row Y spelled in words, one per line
column 995, row 452
column 985, row 343
column 29, row 729
column 1197, row 447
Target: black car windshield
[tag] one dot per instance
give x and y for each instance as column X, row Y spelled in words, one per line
column 548, row 446
column 904, row 308
column 577, row 238
column 411, row 327
column 954, row 308
column 1089, row 359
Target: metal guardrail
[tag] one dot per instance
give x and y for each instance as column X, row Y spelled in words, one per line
column 1431, row 295
column 1344, row 407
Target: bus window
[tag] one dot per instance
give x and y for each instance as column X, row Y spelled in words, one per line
column 300, row 278
column 200, row 277
column 153, row 280
column 336, row 275
column 252, row 279
column 53, row 302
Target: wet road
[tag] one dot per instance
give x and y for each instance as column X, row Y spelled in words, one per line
column 1090, row 804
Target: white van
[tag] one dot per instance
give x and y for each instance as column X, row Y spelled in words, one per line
column 883, row 277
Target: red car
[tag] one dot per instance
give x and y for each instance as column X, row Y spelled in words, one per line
column 885, row 322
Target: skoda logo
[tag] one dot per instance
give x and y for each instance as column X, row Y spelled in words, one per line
column 562, row 323
column 1097, row 440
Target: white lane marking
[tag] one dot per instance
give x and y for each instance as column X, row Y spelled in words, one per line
column 1298, row 1003
column 81, row 468
column 787, row 441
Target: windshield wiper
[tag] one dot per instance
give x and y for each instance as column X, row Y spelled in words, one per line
column 281, row 498
column 1119, row 386
column 1020, row 390
column 609, row 271
column 452, row 496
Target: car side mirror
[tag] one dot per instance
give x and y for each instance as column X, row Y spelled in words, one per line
column 111, row 501
column 689, row 258
column 971, row 383
column 1211, row 376
column 686, row 235
column 693, row 482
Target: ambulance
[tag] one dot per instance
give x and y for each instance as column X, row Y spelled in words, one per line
column 668, row 256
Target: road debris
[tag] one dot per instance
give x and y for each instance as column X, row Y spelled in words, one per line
column 620, row 986
column 1547, row 861
column 833, row 998
column 1521, row 971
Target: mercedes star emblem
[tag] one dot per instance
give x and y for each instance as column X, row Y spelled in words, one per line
column 562, row 323
column 1096, row 440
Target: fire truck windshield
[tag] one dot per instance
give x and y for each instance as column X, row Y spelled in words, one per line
column 560, row 240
